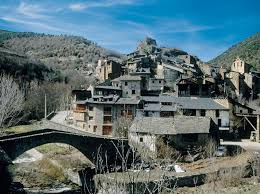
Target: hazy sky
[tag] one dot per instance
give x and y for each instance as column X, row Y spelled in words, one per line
column 202, row 27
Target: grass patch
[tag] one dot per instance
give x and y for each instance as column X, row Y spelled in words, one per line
column 18, row 129
column 51, row 170
column 53, row 149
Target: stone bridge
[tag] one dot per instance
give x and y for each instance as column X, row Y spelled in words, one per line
column 95, row 148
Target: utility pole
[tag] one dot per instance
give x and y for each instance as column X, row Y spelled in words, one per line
column 45, row 106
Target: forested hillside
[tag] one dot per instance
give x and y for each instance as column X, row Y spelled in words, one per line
column 248, row 50
column 57, row 51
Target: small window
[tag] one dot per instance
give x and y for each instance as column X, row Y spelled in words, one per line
column 219, row 122
column 160, row 81
column 90, row 108
column 126, row 83
column 133, row 91
column 202, row 113
column 95, row 128
column 141, row 139
column 153, row 82
column 90, row 118
column 217, row 113
column 241, row 111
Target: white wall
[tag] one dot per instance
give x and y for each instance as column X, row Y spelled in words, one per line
column 148, row 140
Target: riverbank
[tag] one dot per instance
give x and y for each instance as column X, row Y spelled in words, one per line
column 224, row 171
column 49, row 168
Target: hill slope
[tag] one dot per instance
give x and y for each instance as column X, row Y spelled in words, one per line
column 248, row 50
column 25, row 69
column 57, row 51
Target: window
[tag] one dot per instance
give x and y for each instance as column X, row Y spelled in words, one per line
column 219, row 122
column 133, row 91
column 90, row 108
column 153, row 82
column 141, row 139
column 107, row 120
column 108, row 109
column 202, row 113
column 189, row 112
column 107, row 130
column 95, row 128
column 90, row 118
column 160, row 82
column 126, row 83
column 167, row 103
column 217, row 113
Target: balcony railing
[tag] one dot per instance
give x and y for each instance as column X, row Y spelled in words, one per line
column 80, row 110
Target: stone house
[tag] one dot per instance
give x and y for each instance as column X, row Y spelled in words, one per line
column 106, row 91
column 187, row 59
column 180, row 132
column 169, row 106
column 186, row 87
column 131, row 85
column 108, row 69
column 97, row 114
column 156, row 84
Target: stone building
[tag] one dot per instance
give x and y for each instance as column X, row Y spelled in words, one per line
column 180, row 132
column 187, row 59
column 169, row 106
column 240, row 66
column 108, row 69
column 131, row 85
column 97, row 114
column 241, row 80
column 186, row 87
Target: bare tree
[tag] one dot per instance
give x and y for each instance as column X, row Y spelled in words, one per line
column 121, row 126
column 11, row 102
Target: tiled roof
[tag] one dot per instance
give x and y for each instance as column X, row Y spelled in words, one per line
column 159, row 107
column 194, row 103
column 128, row 101
column 128, row 78
column 108, row 87
column 177, row 125
column 188, row 102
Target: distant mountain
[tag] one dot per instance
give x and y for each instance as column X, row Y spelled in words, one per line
column 248, row 50
column 60, row 52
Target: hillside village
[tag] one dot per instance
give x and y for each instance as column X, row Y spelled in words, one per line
column 167, row 92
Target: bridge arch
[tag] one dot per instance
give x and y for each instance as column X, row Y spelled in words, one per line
column 94, row 148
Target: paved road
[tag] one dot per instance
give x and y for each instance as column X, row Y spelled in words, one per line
column 244, row 143
column 59, row 117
